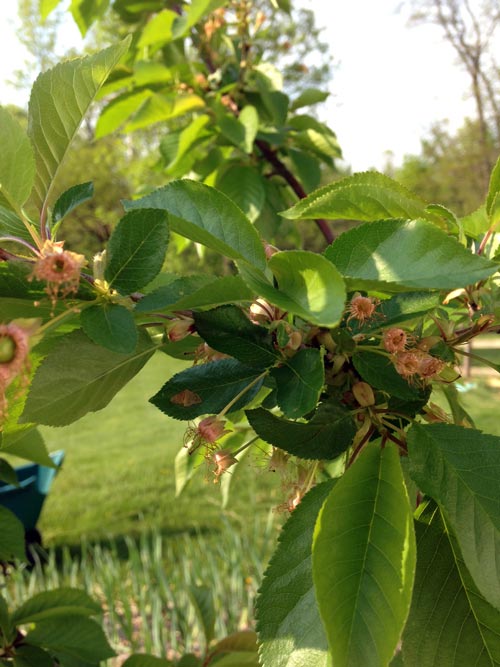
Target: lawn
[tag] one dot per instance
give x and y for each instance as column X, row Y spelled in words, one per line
column 118, row 476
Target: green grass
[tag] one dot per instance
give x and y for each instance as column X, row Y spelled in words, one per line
column 118, row 476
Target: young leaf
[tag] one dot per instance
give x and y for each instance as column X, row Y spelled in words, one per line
column 206, row 216
column 56, row 603
column 17, row 167
column 227, row 329
column 78, row 376
column 207, row 389
column 59, row 100
column 11, row 536
column 299, row 382
column 394, row 255
column 460, row 467
column 111, row 326
column 249, row 118
column 367, row 196
column 364, row 560
column 136, row 250
column 450, row 623
column 290, row 632
column 307, row 286
column 70, row 199
column 75, row 636
column 325, row 436
column 6, row 628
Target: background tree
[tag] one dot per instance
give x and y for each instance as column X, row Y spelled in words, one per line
column 471, row 29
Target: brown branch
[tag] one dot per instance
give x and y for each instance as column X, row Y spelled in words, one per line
column 281, row 169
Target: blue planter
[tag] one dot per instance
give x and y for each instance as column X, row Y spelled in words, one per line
column 26, row 500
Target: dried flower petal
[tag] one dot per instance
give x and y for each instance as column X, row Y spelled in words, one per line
column 394, row 340
column 362, row 308
column 59, row 268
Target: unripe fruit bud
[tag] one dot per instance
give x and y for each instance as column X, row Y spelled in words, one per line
column 363, row 394
column 325, row 339
column 7, row 349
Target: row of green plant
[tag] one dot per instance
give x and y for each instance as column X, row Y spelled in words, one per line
column 167, row 597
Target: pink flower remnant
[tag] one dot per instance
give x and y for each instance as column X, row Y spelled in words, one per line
column 206, row 433
column 59, row 268
column 14, row 360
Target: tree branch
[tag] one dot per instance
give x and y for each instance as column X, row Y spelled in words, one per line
column 281, row 169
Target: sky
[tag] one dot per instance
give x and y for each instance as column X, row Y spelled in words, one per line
column 390, row 82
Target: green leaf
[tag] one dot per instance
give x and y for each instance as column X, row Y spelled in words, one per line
column 143, row 660
column 211, row 387
column 114, row 115
column 240, row 659
column 395, row 255
column 11, row 536
column 228, row 289
column 400, row 308
column 379, row 372
column 206, row 216
column 78, row 376
column 70, row 199
column 288, row 622
column 202, row 600
column 158, row 30
column 494, row 187
column 307, row 286
column 5, row 623
column 186, row 140
column 32, row 656
column 241, row 641
column 364, row 560
column 76, row 636
column 59, row 100
column 308, row 97
column 367, row 196
column 17, row 167
column 85, row 12
column 185, row 467
column 244, row 186
column 111, row 326
column 460, row 467
column 136, row 249
column 8, row 474
column 11, row 224
column 299, row 382
column 26, row 442
column 249, row 118
column 307, row 167
column 449, row 623
column 167, row 296
column 476, row 223
column 193, row 13
column 159, row 107
column 227, row 329
column 46, row 7
column 324, row 437
column 60, row 602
